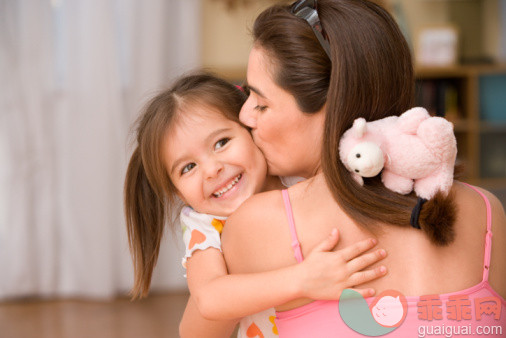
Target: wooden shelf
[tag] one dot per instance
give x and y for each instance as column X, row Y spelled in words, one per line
column 461, row 125
column 458, row 71
column 469, row 126
column 492, row 127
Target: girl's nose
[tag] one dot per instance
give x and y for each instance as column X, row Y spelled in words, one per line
column 248, row 114
column 213, row 168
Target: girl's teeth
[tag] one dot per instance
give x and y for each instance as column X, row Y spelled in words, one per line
column 228, row 187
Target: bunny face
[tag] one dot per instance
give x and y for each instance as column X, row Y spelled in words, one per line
column 365, row 159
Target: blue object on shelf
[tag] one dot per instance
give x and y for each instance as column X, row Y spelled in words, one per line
column 493, row 97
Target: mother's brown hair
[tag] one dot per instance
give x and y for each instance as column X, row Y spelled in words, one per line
column 370, row 75
column 149, row 195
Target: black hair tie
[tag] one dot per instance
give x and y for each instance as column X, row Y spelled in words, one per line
column 415, row 214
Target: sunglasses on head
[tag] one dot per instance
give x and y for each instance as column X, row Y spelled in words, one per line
column 307, row 10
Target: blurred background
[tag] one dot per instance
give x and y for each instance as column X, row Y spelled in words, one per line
column 76, row 74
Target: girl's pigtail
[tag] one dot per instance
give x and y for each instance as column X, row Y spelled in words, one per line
column 145, row 216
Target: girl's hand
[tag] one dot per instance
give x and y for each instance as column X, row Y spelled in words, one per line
column 325, row 274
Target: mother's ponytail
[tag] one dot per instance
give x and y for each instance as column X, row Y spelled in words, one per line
column 372, row 78
column 437, row 217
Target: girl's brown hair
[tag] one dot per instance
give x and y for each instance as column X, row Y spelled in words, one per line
column 370, row 75
column 149, row 196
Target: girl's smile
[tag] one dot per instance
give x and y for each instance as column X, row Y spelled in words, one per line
column 228, row 187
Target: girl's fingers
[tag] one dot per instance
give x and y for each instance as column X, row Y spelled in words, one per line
column 356, row 249
column 365, row 292
column 361, row 277
column 328, row 243
column 363, row 261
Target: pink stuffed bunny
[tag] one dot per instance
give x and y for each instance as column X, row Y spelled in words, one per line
column 414, row 150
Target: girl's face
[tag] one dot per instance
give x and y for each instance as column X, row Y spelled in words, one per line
column 290, row 139
column 212, row 161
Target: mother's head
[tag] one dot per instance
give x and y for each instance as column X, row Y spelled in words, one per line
column 302, row 102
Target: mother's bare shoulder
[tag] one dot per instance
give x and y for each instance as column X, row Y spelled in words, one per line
column 253, row 232
column 497, row 262
column 473, row 210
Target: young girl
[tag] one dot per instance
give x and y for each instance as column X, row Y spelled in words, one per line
column 192, row 148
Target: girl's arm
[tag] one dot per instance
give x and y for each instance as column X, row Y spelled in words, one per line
column 194, row 325
column 322, row 275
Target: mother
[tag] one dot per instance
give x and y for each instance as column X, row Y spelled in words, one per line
column 301, row 102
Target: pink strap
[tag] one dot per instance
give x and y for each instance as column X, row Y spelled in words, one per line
column 488, row 236
column 297, row 252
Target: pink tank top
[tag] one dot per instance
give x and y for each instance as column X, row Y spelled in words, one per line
column 475, row 311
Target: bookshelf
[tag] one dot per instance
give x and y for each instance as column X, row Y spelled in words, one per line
column 473, row 97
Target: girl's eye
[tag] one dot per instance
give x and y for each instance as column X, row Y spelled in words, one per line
column 260, row 108
column 187, row 168
column 221, row 143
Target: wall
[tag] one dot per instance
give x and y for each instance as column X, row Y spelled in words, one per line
column 226, row 40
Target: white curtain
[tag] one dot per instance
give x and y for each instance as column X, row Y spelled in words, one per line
column 73, row 76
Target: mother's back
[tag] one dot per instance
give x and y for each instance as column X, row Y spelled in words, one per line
column 416, row 267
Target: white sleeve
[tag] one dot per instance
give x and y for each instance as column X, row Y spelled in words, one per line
column 200, row 231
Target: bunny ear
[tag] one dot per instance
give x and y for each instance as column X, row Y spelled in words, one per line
column 359, row 127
